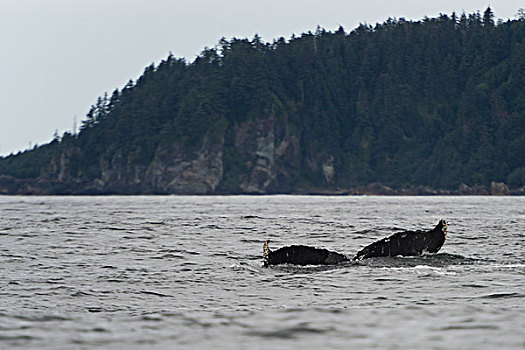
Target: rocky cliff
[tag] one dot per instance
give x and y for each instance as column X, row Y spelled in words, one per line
column 263, row 148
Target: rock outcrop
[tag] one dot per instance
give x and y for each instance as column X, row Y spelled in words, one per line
column 175, row 171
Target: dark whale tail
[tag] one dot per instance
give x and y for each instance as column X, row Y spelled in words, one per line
column 407, row 243
column 301, row 255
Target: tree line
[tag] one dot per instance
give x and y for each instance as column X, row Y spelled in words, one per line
column 437, row 102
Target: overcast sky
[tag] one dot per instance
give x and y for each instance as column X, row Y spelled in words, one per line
column 58, row 56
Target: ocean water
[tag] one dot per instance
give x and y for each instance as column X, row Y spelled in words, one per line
column 185, row 272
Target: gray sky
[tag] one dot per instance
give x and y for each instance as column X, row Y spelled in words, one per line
column 58, row 56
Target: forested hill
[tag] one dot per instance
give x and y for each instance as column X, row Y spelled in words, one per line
column 436, row 104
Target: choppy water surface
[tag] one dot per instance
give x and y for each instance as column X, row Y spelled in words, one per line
column 185, row 272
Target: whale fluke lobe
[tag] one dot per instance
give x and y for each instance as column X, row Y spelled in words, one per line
column 301, row 255
column 407, row 243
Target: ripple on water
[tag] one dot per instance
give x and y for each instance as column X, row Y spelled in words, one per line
column 502, row 296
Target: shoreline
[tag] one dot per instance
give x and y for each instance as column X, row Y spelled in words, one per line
column 11, row 186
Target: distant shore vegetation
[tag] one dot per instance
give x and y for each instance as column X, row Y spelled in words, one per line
column 436, row 104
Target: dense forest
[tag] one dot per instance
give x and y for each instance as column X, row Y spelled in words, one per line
column 437, row 103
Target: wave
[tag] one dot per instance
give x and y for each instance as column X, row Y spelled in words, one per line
column 289, row 332
column 158, row 294
column 17, row 337
column 249, row 217
column 37, row 317
column 502, row 296
column 241, row 266
column 428, row 261
column 432, row 260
